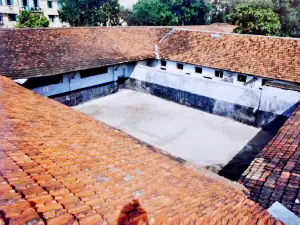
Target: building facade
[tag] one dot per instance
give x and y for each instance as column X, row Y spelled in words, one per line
column 10, row 9
column 251, row 79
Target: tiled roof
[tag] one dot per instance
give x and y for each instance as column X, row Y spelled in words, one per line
column 274, row 175
column 42, row 52
column 271, row 57
column 28, row 53
column 216, row 27
column 58, row 165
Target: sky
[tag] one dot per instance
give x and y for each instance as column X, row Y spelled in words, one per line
column 127, row 3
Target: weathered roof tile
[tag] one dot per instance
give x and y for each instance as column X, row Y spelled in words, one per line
column 270, row 57
column 40, row 137
column 43, row 52
column 277, row 166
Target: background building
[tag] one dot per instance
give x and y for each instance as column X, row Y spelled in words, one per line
column 10, row 9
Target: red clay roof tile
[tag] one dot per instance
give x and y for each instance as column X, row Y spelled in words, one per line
column 215, row 27
column 104, row 170
column 271, row 57
column 277, row 168
column 43, row 52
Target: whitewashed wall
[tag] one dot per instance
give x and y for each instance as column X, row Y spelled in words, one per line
column 43, row 4
column 278, row 101
column 7, row 23
column 228, row 77
column 223, row 91
column 73, row 81
column 268, row 101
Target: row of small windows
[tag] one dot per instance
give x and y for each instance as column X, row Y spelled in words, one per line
column 93, row 72
column 218, row 73
column 13, row 17
column 57, row 79
column 25, row 3
column 8, row 2
column 163, row 63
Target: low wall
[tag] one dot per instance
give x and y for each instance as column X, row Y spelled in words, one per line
column 276, row 105
column 259, row 107
column 254, row 106
column 83, row 95
column 74, row 90
column 73, row 81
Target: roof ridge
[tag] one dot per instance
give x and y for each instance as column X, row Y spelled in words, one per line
column 91, row 27
column 235, row 34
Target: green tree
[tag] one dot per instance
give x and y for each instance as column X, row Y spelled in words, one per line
column 183, row 10
column 216, row 15
column 174, row 12
column 227, row 6
column 152, row 13
column 254, row 20
column 266, row 4
column 26, row 19
column 193, row 12
column 90, row 12
column 125, row 14
column 289, row 18
column 44, row 22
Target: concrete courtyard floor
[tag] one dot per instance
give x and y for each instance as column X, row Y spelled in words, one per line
column 198, row 137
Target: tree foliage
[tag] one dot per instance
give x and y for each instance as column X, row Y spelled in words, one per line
column 254, row 20
column 152, row 13
column 287, row 10
column 90, row 12
column 125, row 14
column 264, row 17
column 26, row 19
column 174, row 12
column 228, row 5
column 289, row 18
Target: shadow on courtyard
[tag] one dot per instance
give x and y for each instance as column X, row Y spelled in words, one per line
column 235, row 168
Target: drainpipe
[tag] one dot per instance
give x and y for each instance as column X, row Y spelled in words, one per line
column 257, row 109
column 156, row 52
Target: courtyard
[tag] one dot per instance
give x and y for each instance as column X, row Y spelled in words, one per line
column 200, row 138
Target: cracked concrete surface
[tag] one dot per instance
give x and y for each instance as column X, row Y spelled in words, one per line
column 198, row 137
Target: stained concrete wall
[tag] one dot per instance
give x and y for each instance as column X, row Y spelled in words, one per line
column 208, row 73
column 73, row 81
column 54, row 89
column 276, row 102
column 83, row 95
column 197, row 85
column 255, row 106
column 248, row 104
